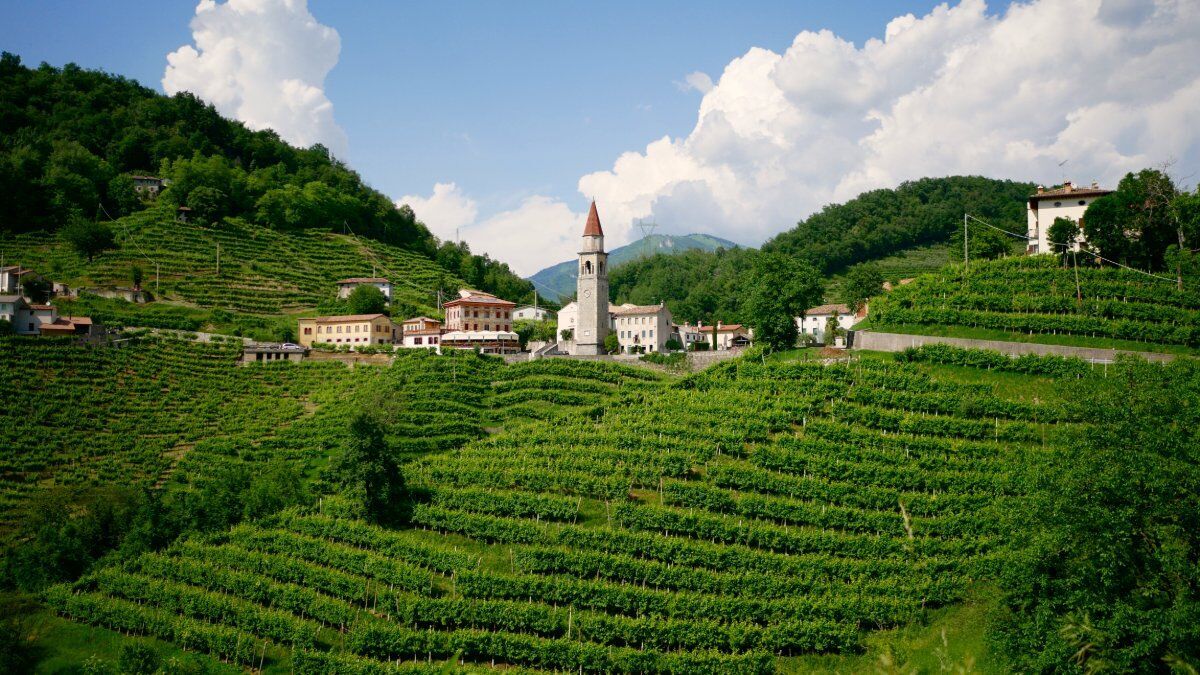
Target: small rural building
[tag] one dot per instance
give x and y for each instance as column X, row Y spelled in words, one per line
column 478, row 311
column 27, row 319
column 531, row 313
column 351, row 329
column 270, row 353
column 816, row 319
column 421, row 332
column 346, row 286
column 147, row 187
column 486, row 341
column 11, row 278
column 183, row 214
column 11, row 306
column 70, row 325
column 642, row 328
column 1068, row 201
column 729, row 336
column 688, row 335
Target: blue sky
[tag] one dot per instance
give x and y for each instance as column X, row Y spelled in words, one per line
column 521, row 110
column 506, row 99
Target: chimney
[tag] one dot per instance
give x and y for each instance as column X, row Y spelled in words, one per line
column 1068, row 186
column 719, row 324
column 1041, row 189
column 1095, row 185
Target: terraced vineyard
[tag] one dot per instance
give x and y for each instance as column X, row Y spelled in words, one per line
column 547, row 388
column 262, row 271
column 1037, row 296
column 165, row 411
column 731, row 521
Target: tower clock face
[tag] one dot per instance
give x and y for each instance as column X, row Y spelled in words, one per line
column 587, row 292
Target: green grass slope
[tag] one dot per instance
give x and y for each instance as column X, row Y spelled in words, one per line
column 1035, row 299
column 746, row 518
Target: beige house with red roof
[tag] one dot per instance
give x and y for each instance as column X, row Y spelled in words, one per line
column 421, row 332
column 642, row 328
column 478, row 311
column 354, row 330
column 347, row 286
column 729, row 336
column 1068, row 201
column 816, row 320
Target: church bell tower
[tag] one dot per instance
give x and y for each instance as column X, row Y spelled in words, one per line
column 592, row 289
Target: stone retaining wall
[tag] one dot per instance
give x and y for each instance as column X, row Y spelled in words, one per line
column 895, row 342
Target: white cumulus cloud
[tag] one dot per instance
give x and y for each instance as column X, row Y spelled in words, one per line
column 1109, row 85
column 697, row 80
column 539, row 232
column 262, row 62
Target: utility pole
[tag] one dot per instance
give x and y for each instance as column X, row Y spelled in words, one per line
column 1078, row 292
column 535, row 303
column 966, row 261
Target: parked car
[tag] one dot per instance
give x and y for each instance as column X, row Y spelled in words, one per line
column 289, row 345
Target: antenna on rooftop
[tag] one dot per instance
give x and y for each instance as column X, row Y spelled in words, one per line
column 1064, row 173
column 647, row 230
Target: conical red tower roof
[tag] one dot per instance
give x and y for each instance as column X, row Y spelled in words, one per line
column 593, row 228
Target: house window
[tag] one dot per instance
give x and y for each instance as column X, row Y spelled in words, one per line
column 433, row 341
column 487, row 326
column 416, row 341
column 308, row 331
column 1082, row 202
column 339, row 329
column 1058, row 203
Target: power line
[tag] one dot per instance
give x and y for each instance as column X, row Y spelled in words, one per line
column 1025, row 237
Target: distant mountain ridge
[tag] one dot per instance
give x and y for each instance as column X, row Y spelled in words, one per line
column 560, row 278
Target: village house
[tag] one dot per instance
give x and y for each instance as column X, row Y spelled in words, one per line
column 28, row 319
column 642, row 328
column 731, row 336
column 1069, row 201
column 532, row 313
column 147, row 187
column 11, row 305
column 347, row 286
column 476, row 310
column 355, row 330
column 421, row 332
column 478, row 320
column 11, row 278
column 688, row 335
column 816, row 320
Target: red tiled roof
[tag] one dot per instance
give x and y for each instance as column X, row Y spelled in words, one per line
column 827, row 309
column 346, row 318
column 41, row 307
column 364, row 280
column 723, row 329
column 593, row 229
column 637, row 309
column 478, row 300
column 421, row 318
column 1073, row 191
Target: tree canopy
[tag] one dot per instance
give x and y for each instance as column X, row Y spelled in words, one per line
column 366, row 300
column 784, row 287
column 70, row 140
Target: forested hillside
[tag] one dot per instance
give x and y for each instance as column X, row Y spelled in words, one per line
column 874, row 225
column 71, row 140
